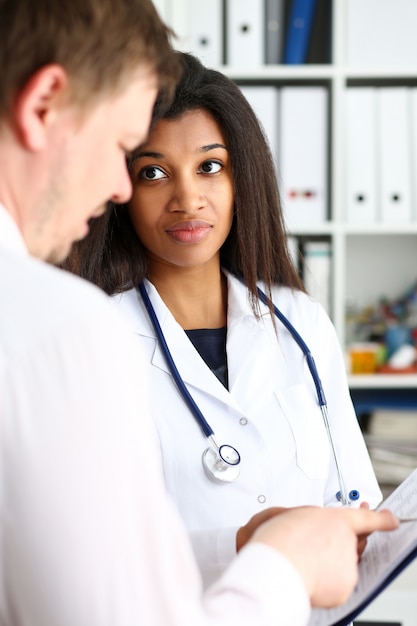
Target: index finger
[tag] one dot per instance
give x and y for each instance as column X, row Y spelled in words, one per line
column 365, row 522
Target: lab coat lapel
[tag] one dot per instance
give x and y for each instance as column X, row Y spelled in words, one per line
column 251, row 346
column 190, row 365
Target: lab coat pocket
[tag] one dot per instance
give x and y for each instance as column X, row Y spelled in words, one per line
column 306, row 422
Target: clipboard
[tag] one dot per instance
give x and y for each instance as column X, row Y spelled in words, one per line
column 385, row 557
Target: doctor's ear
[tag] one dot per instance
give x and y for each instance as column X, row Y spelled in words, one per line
column 37, row 104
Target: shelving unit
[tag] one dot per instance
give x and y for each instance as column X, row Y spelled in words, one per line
column 390, row 247
column 349, row 238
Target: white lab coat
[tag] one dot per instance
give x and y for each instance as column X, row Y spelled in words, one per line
column 270, row 414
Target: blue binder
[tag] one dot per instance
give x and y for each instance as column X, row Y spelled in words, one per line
column 299, row 28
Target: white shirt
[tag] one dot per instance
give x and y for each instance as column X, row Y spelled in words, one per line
column 88, row 536
column 270, row 413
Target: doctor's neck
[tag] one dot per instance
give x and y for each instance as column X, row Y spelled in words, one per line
column 197, row 298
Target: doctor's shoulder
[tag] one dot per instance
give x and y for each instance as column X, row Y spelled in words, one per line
column 300, row 308
column 304, row 312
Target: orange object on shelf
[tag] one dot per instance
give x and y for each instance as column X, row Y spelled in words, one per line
column 363, row 358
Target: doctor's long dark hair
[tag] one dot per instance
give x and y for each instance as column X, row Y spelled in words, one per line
column 113, row 257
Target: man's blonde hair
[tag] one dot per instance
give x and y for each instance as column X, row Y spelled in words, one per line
column 100, row 43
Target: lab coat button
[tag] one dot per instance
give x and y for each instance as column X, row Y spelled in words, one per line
column 261, row 499
column 243, row 421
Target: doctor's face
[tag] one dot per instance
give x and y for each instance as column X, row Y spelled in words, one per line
column 182, row 202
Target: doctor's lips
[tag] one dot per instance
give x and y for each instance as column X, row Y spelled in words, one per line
column 192, row 231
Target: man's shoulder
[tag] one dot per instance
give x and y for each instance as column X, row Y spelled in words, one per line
column 58, row 287
column 38, row 297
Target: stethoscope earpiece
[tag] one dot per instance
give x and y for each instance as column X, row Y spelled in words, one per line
column 353, row 495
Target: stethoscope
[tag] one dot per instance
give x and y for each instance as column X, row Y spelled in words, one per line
column 222, row 463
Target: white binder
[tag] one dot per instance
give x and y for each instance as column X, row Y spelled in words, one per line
column 303, row 154
column 361, row 136
column 381, row 33
column 180, row 24
column 413, row 151
column 206, row 30
column 294, row 250
column 245, row 33
column 274, row 30
column 264, row 100
column 199, row 27
column 163, row 9
column 317, row 271
column 393, row 114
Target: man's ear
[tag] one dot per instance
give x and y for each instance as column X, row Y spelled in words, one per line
column 37, row 104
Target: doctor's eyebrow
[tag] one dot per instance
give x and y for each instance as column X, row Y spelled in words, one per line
column 137, row 154
column 159, row 155
column 212, row 146
column 147, row 153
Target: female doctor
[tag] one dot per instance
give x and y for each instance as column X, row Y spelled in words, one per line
column 186, row 255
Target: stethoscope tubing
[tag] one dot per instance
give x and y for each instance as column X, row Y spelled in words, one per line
column 201, row 420
column 319, row 389
column 305, row 349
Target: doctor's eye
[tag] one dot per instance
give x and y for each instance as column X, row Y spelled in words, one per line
column 151, row 172
column 211, row 167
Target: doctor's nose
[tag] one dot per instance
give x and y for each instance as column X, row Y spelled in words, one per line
column 187, row 197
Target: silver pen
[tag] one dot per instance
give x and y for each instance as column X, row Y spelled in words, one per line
column 407, row 519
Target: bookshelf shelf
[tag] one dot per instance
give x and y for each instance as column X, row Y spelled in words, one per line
column 383, row 381
column 379, row 229
column 281, row 72
column 375, row 73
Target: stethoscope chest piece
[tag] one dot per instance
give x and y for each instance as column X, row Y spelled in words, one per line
column 221, row 464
